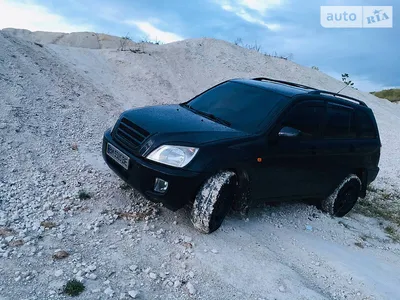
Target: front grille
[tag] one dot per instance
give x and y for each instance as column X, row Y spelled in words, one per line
column 129, row 134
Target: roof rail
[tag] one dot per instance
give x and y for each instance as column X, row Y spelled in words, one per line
column 314, row 90
column 338, row 95
column 284, row 82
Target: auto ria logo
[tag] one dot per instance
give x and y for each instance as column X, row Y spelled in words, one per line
column 357, row 16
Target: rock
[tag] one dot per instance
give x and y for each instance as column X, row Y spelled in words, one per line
column 133, row 268
column 191, row 274
column 48, row 224
column 16, row 243
column 133, row 294
column 91, row 276
column 80, row 273
column 177, row 283
column 186, row 239
column 108, row 291
column 60, row 254
column 153, row 275
column 92, row 268
column 282, row 289
column 107, row 282
column 57, row 286
column 215, row 251
column 309, row 228
column 178, row 256
column 58, row 273
column 190, row 288
column 8, row 239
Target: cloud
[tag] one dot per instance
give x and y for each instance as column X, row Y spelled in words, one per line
column 260, row 5
column 34, row 17
column 242, row 13
column 154, row 33
column 252, row 11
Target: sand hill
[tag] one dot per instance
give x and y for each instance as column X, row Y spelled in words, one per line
column 59, row 90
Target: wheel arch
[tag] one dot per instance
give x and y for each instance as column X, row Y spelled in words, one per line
column 362, row 174
column 242, row 198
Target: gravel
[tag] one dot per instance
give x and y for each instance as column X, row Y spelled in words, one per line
column 56, row 103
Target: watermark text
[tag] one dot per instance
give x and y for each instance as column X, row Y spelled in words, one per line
column 357, row 16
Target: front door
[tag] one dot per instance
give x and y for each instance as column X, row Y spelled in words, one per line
column 290, row 166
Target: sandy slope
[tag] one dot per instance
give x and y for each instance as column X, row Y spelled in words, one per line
column 54, row 96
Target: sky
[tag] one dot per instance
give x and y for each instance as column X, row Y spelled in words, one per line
column 371, row 56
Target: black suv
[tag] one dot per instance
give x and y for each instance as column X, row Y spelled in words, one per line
column 244, row 141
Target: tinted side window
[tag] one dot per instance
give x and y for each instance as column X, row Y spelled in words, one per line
column 306, row 117
column 365, row 126
column 339, row 122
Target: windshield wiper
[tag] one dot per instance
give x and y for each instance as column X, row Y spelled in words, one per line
column 208, row 115
column 215, row 118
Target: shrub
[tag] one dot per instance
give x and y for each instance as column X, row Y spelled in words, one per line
column 124, row 41
column 83, row 195
column 257, row 47
column 345, row 77
column 74, row 288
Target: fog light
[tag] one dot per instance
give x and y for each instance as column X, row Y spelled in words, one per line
column 160, row 186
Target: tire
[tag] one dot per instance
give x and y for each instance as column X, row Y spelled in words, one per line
column 213, row 202
column 343, row 199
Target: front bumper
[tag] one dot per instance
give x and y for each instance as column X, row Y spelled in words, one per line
column 141, row 175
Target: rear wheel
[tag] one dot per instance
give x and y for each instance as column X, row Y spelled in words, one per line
column 213, row 202
column 343, row 199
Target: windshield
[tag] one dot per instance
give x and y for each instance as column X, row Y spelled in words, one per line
column 240, row 106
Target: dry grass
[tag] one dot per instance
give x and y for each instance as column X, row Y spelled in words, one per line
column 359, row 244
column 392, row 232
column 392, row 95
column 380, row 204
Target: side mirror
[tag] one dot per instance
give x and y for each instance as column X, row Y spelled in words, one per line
column 289, row 132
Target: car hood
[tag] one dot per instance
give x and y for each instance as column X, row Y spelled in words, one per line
column 177, row 124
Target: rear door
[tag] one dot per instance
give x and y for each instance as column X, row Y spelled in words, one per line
column 339, row 148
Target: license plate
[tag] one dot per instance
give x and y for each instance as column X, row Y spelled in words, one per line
column 118, row 156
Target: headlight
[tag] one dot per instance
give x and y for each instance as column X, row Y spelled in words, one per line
column 176, row 156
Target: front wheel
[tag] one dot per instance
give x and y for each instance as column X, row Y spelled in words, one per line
column 345, row 196
column 213, row 201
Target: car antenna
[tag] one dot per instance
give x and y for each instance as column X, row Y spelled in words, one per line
column 337, row 93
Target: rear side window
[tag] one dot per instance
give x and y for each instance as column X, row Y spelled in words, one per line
column 339, row 122
column 365, row 126
column 306, row 117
